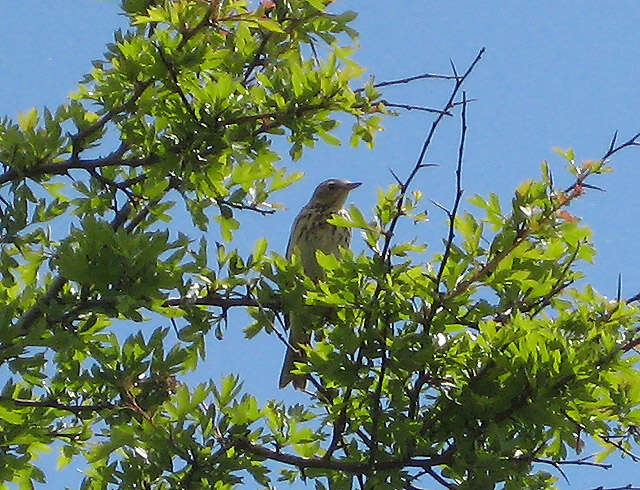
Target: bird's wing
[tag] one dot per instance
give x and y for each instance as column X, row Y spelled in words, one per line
column 294, row 236
column 295, row 233
column 296, row 335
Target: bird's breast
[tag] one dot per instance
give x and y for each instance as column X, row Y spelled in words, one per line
column 317, row 234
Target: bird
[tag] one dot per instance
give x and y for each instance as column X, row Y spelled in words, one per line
column 311, row 232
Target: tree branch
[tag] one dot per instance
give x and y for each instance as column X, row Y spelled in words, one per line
column 427, row 142
column 223, row 302
column 401, row 81
column 74, row 163
column 415, row 107
column 76, row 409
column 333, row 464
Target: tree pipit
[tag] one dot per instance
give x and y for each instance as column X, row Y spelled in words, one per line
column 311, row 232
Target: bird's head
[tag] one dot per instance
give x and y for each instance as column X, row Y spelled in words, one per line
column 332, row 193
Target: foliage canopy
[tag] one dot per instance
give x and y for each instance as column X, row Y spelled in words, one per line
column 469, row 368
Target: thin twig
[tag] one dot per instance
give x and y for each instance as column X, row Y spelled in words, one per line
column 59, row 406
column 423, row 151
column 410, row 107
column 456, row 204
column 411, row 79
column 384, row 254
column 256, row 58
column 174, row 78
column 439, row 479
column 574, row 462
column 626, row 487
column 220, row 301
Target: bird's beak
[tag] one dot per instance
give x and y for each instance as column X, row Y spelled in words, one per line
column 352, row 185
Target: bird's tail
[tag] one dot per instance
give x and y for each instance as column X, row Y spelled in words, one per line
column 297, row 337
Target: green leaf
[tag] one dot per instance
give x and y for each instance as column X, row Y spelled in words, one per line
column 357, row 217
column 28, row 120
column 269, row 24
column 11, row 416
column 260, row 249
column 327, row 261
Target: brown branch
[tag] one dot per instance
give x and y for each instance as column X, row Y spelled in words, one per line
column 220, row 301
column 632, row 344
column 73, row 163
column 206, row 19
column 415, row 107
column 451, row 214
column 247, row 207
column 427, row 142
column 377, row 408
column 107, row 116
column 626, row 487
column 334, row 464
column 256, row 58
column 608, row 438
column 113, row 187
column 384, row 254
column 174, row 78
column 439, row 479
column 411, row 79
column 59, row 406
column 34, row 313
column 613, row 149
column 577, row 462
column 224, row 302
column 414, row 393
column 523, row 233
column 115, row 158
column 633, row 141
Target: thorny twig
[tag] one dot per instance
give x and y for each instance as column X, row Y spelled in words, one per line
column 384, row 254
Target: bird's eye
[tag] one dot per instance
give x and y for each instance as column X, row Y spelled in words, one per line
column 332, row 185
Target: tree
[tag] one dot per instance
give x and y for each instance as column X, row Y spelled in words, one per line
column 477, row 366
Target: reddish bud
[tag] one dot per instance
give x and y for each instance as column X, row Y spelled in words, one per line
column 567, row 216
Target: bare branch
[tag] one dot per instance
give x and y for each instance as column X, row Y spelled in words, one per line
column 395, row 176
column 608, row 438
column 439, row 479
column 220, row 301
column 415, row 107
column 626, row 487
column 411, row 79
column 456, row 202
column 59, row 406
column 423, row 151
column 575, row 462
column 384, row 254
column 633, row 141
column 334, row 464
column 73, row 163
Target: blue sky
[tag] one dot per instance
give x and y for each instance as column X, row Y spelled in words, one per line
column 555, row 74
